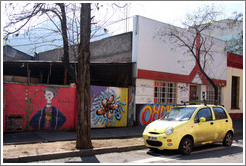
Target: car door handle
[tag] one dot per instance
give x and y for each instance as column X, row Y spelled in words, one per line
column 211, row 123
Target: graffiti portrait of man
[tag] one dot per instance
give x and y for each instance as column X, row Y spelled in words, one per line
column 48, row 117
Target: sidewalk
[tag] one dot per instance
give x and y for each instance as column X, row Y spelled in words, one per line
column 102, row 134
column 50, row 136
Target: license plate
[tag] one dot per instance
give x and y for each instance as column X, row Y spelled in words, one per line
column 152, row 138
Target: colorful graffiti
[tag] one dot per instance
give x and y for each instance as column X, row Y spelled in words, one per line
column 41, row 107
column 49, row 117
column 150, row 112
column 29, row 101
column 109, row 106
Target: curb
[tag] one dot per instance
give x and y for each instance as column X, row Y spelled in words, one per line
column 77, row 153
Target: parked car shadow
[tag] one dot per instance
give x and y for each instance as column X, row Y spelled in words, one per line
column 215, row 150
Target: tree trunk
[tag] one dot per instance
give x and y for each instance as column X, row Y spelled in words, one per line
column 216, row 101
column 65, row 59
column 198, row 50
column 83, row 140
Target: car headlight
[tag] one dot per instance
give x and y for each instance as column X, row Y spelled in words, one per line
column 169, row 130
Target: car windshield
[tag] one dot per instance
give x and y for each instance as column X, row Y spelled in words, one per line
column 179, row 114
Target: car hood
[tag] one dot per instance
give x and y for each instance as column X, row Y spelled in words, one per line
column 159, row 126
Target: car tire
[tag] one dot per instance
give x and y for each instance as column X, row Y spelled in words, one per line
column 185, row 146
column 153, row 149
column 228, row 139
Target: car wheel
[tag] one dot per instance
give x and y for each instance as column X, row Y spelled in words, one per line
column 228, row 139
column 185, row 146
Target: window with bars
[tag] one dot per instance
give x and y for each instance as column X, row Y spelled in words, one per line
column 165, row 92
column 211, row 94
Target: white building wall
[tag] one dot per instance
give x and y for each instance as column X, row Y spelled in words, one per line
column 151, row 53
column 144, row 91
column 216, row 60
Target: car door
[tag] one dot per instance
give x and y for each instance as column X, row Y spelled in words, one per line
column 221, row 123
column 204, row 131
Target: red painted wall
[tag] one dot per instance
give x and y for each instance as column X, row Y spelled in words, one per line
column 236, row 116
column 234, row 60
column 19, row 98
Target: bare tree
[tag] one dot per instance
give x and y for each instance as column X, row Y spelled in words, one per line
column 235, row 44
column 83, row 78
column 199, row 46
column 79, row 38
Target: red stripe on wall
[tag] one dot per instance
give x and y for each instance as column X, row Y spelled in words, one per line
column 234, row 60
column 154, row 75
column 236, row 115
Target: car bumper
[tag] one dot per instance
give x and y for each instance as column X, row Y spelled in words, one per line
column 162, row 141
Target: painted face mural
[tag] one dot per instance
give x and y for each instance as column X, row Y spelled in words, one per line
column 48, row 117
column 107, row 107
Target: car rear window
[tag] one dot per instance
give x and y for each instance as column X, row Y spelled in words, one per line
column 219, row 113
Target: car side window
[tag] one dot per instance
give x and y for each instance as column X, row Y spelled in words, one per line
column 204, row 112
column 219, row 113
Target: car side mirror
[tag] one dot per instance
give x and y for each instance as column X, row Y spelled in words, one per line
column 202, row 119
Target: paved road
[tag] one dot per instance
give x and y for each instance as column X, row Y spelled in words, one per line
column 215, row 153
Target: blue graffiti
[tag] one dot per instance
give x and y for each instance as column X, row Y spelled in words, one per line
column 107, row 107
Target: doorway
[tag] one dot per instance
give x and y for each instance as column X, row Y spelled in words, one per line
column 194, row 93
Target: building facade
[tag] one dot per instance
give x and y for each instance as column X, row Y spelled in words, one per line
column 162, row 76
column 231, row 31
column 167, row 74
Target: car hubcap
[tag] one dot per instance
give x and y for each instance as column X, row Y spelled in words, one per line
column 228, row 139
column 187, row 146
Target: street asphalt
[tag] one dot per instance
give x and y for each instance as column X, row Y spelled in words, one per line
column 102, row 133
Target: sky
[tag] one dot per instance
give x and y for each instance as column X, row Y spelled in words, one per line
column 171, row 12
column 168, row 11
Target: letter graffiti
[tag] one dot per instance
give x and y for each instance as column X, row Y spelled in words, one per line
column 151, row 112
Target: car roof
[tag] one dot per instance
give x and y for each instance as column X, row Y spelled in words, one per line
column 201, row 105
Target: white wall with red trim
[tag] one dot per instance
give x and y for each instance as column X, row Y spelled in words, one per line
column 166, row 60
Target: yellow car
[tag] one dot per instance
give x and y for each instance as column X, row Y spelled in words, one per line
column 184, row 127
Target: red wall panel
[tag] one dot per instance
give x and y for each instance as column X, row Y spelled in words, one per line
column 21, row 98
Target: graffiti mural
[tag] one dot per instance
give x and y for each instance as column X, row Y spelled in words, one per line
column 183, row 87
column 183, row 92
column 53, row 107
column 49, row 117
column 41, row 107
column 108, row 106
column 151, row 112
column 29, row 101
